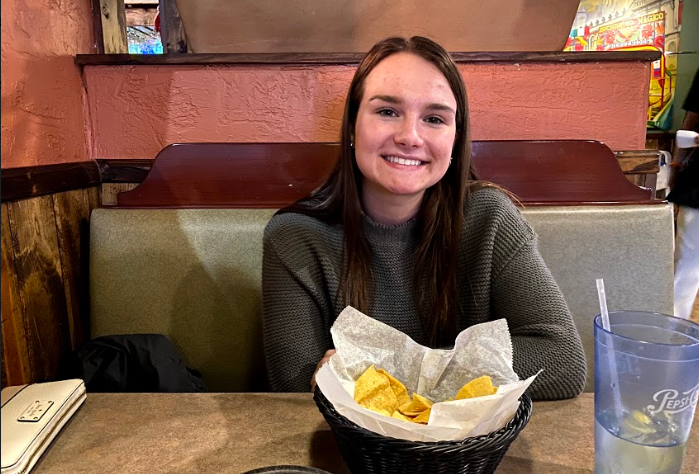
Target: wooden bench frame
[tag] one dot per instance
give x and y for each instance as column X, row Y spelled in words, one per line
column 273, row 175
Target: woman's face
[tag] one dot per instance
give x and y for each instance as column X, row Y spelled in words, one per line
column 405, row 129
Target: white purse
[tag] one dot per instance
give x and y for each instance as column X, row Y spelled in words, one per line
column 32, row 416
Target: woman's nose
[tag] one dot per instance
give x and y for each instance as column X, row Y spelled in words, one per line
column 408, row 133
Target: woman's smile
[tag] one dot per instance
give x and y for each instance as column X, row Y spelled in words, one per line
column 403, row 161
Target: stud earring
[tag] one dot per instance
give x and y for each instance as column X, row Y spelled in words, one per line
column 450, row 160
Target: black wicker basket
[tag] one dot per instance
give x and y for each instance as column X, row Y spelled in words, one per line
column 366, row 452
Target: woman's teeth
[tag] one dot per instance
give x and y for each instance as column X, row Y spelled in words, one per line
column 402, row 161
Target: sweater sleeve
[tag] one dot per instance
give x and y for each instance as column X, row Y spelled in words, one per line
column 544, row 335
column 295, row 322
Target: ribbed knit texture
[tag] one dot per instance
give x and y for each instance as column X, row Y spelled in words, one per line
column 500, row 271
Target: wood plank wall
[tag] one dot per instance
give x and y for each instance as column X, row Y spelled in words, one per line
column 44, row 282
column 45, row 293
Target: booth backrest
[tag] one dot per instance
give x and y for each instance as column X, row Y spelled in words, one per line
column 194, row 274
column 629, row 246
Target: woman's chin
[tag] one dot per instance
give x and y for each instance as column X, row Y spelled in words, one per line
column 407, row 191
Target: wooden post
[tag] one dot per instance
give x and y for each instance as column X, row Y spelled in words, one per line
column 172, row 32
column 97, row 26
column 113, row 16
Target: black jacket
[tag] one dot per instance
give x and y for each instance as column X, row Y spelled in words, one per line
column 134, row 363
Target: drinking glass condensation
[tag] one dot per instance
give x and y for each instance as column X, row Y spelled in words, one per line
column 646, row 389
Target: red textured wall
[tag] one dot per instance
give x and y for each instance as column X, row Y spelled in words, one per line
column 42, row 95
column 136, row 110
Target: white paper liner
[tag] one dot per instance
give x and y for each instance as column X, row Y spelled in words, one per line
column 483, row 349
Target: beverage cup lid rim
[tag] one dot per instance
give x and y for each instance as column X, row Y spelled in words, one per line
column 598, row 325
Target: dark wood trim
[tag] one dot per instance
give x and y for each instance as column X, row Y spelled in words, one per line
column 354, row 58
column 232, row 175
column 123, row 171
column 557, row 172
column 272, row 175
column 557, row 56
column 135, row 171
column 209, row 59
column 32, row 181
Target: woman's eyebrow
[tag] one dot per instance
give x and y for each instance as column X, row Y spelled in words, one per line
column 441, row 107
column 387, row 98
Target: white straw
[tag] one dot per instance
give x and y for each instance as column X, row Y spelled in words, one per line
column 603, row 304
column 604, row 315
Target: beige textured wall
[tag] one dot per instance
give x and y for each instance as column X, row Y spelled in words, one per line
column 259, row 26
column 42, row 95
column 137, row 110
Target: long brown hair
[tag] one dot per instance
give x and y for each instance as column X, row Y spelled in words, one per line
column 441, row 215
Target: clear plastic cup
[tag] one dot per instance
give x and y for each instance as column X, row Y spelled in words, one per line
column 686, row 139
column 646, row 390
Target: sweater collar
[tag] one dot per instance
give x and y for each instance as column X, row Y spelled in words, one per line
column 378, row 233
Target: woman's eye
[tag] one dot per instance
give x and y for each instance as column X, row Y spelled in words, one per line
column 435, row 120
column 387, row 112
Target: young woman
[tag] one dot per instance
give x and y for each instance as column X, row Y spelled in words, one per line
column 403, row 231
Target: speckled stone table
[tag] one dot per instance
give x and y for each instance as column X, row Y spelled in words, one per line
column 236, row 432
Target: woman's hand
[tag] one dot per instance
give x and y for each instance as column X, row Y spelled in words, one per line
column 325, row 359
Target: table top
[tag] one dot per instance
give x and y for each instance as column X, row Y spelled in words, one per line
column 236, row 432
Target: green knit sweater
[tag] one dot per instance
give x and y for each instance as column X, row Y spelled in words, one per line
column 501, row 272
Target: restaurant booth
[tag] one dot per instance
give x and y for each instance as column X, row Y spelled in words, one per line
column 135, row 189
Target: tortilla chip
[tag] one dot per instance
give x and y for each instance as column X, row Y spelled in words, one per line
column 368, row 383
column 381, row 411
column 479, row 387
column 421, row 402
column 423, row 417
column 373, row 390
column 397, row 415
column 407, row 410
column 398, row 388
column 379, row 391
column 416, row 407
